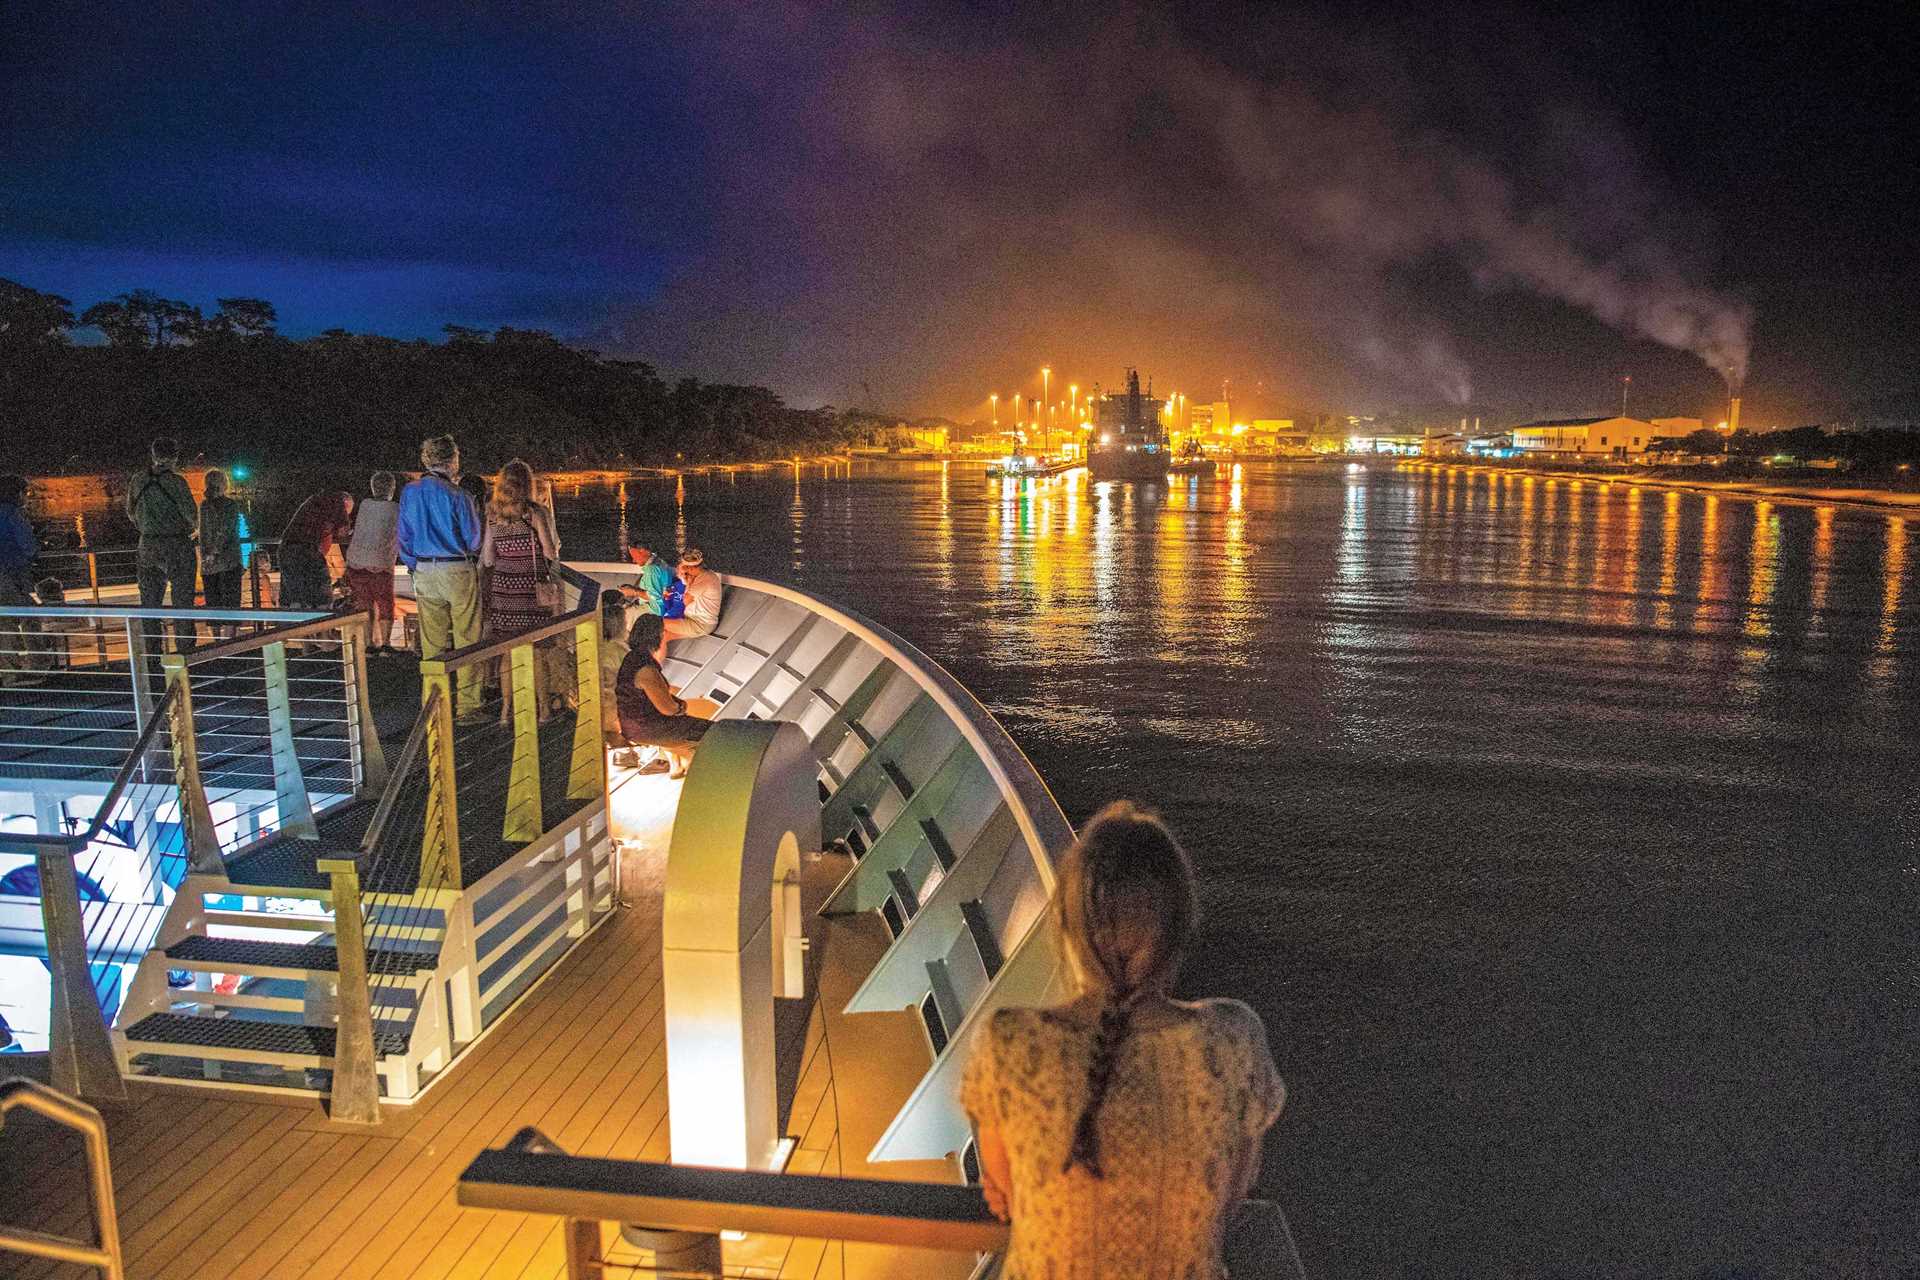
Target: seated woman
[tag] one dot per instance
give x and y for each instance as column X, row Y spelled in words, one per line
column 1118, row 1132
column 650, row 714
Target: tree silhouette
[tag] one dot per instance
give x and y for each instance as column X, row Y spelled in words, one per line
column 245, row 318
column 143, row 318
column 233, row 389
column 28, row 316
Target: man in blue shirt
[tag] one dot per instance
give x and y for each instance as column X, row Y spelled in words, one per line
column 650, row 592
column 439, row 532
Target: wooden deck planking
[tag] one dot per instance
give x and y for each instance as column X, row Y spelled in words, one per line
column 466, row 1088
column 428, row 1173
column 471, row 1239
column 251, row 1190
column 209, row 1185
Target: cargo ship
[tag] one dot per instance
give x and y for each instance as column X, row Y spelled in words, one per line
column 1130, row 440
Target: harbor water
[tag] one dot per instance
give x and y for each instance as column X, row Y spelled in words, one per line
column 1564, row 834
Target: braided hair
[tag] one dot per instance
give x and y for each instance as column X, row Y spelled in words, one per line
column 1125, row 906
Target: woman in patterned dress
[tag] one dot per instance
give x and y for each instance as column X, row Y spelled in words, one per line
column 517, row 550
column 1118, row 1132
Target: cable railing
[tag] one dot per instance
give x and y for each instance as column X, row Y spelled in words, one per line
column 150, row 765
column 102, row 573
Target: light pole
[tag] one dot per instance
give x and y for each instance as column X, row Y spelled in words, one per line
column 994, row 399
column 1073, row 400
column 1046, row 383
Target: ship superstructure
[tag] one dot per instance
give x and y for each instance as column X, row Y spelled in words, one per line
column 1129, row 435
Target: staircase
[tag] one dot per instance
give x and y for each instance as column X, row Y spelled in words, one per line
column 242, row 987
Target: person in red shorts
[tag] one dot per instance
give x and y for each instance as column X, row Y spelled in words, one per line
column 370, row 554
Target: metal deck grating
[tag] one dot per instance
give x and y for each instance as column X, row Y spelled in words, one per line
column 244, row 953
column 252, row 1034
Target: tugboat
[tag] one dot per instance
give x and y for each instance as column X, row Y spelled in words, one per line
column 1191, row 462
column 1130, row 443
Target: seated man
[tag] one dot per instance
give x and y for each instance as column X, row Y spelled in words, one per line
column 650, row 592
column 702, row 608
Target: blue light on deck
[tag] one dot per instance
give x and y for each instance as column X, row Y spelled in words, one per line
column 239, row 473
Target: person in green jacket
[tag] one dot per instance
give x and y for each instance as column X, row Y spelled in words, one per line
column 163, row 510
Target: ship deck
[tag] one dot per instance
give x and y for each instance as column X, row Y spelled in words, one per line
column 209, row 1182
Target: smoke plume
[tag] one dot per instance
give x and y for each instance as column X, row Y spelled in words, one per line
column 934, row 198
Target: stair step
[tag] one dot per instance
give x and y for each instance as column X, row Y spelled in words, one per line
column 155, row 1032
column 238, row 955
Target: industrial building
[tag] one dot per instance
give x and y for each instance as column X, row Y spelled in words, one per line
column 1614, row 437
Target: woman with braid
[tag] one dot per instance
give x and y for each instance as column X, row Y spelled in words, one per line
column 1118, row 1132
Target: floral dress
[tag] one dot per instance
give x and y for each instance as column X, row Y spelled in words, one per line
column 1187, row 1099
column 513, row 591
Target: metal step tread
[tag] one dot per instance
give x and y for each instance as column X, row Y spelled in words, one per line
column 253, row 1034
column 247, row 952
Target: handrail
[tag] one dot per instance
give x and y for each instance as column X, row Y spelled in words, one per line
column 293, row 631
column 121, row 779
column 589, row 588
column 924, row 1215
column 77, row 1115
column 166, row 614
column 390, row 795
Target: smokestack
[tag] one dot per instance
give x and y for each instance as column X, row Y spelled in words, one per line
column 1733, row 415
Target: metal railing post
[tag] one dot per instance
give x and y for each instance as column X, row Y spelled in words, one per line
column 203, row 841
column 80, row 1049
column 137, row 674
column 587, row 773
column 443, row 797
column 524, row 819
column 289, row 783
column 363, row 733
column 356, row 1084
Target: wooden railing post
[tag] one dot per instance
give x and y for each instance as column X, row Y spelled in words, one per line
column 583, row 1249
column 587, row 772
column 363, row 733
column 525, row 820
column 81, row 1051
column 443, row 796
column 196, row 818
column 356, row 1084
column 289, row 783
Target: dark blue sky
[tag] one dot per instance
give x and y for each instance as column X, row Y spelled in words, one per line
column 360, row 170
column 1329, row 205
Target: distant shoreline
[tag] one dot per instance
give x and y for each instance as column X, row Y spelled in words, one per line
column 1891, row 502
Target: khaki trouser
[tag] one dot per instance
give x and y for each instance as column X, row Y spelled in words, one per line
column 160, row 564
column 449, row 598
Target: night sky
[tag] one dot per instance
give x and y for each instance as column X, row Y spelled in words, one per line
column 1340, row 207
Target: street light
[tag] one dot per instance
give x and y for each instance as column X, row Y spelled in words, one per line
column 995, row 399
column 1046, row 382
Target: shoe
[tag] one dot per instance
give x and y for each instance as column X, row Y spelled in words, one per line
column 626, row 759
column 655, row 766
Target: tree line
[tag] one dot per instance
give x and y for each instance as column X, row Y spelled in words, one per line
column 233, row 388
